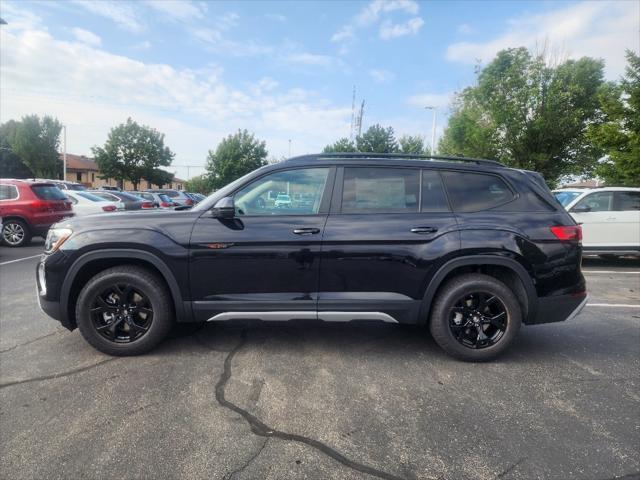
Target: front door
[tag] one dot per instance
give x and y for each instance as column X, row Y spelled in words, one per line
column 264, row 263
column 596, row 214
column 386, row 228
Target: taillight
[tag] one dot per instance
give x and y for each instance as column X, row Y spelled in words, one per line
column 147, row 204
column 40, row 206
column 109, row 208
column 188, row 201
column 165, row 204
column 567, row 232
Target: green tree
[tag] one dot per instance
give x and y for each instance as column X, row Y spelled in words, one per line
column 235, row 156
column 35, row 141
column 10, row 164
column 413, row 144
column 618, row 132
column 200, row 184
column 529, row 114
column 159, row 177
column 341, row 146
column 377, row 139
column 132, row 152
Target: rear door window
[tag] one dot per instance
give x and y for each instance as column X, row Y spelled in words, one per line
column 8, row 192
column 626, row 201
column 48, row 192
column 474, row 192
column 433, row 196
column 380, row 190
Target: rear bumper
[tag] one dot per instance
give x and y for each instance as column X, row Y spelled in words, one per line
column 559, row 308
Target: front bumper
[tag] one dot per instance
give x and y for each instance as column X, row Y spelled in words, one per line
column 48, row 293
column 559, row 308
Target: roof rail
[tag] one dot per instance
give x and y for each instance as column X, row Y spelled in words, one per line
column 399, row 156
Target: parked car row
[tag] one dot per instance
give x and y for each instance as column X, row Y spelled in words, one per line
column 29, row 207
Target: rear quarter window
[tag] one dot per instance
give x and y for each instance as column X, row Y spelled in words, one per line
column 8, row 192
column 48, row 192
column 474, row 192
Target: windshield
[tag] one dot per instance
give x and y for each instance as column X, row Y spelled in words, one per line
column 565, row 198
column 90, row 196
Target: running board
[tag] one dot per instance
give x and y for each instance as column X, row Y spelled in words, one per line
column 283, row 316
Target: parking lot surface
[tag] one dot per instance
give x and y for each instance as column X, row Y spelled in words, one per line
column 298, row 400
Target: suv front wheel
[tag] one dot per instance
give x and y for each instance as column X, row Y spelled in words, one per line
column 124, row 310
column 475, row 317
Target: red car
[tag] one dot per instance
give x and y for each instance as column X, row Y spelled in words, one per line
column 28, row 208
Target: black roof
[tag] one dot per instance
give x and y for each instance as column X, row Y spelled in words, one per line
column 391, row 156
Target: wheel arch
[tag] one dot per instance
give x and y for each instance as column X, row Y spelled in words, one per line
column 89, row 264
column 507, row 270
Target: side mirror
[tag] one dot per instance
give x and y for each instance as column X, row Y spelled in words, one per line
column 224, row 208
column 584, row 209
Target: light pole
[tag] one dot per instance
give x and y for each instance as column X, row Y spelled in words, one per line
column 433, row 128
column 64, row 155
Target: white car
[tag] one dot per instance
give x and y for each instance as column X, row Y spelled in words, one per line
column 85, row 203
column 610, row 218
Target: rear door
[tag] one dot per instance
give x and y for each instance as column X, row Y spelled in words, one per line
column 627, row 214
column 387, row 227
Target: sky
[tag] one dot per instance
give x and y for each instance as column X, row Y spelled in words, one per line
column 198, row 71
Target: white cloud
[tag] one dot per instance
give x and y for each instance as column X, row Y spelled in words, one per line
column 390, row 30
column 123, row 14
column 178, row 9
column 595, row 29
column 85, row 36
column 381, row 76
column 438, row 100
column 376, row 11
column 142, row 46
column 372, row 12
column 92, row 90
column 229, row 20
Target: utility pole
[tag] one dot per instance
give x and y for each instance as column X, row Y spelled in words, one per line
column 433, row 128
column 64, row 155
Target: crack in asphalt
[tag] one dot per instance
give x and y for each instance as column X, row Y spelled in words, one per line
column 57, row 375
column 510, row 468
column 261, row 429
column 248, row 462
column 27, row 343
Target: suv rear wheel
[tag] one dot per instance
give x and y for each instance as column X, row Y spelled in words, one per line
column 15, row 233
column 475, row 317
column 124, row 311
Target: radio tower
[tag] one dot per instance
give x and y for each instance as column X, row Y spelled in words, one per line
column 353, row 113
column 358, row 122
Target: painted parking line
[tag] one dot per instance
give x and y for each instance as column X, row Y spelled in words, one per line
column 19, row 259
column 610, row 272
column 614, row 305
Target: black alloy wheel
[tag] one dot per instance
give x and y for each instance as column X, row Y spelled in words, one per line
column 125, row 310
column 478, row 320
column 475, row 317
column 121, row 313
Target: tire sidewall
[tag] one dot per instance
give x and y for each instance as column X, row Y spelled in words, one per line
column 457, row 289
column 160, row 326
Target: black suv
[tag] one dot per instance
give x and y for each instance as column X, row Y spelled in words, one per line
column 467, row 247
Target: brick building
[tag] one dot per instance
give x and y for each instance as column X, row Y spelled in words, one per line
column 84, row 170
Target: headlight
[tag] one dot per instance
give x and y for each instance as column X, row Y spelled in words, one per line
column 55, row 238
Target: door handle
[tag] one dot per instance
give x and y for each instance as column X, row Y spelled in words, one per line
column 423, row 230
column 306, row 231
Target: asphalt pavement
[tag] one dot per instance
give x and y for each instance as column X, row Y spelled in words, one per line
column 295, row 400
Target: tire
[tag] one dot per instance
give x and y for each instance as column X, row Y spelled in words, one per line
column 15, row 233
column 133, row 329
column 459, row 314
